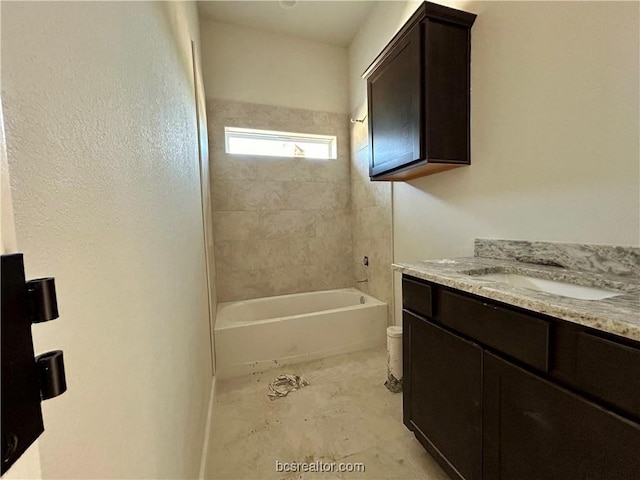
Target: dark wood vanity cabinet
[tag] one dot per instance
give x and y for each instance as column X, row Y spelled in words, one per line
column 496, row 392
column 418, row 92
column 443, row 394
column 535, row 429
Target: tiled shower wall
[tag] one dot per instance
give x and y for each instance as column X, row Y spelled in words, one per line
column 371, row 213
column 281, row 225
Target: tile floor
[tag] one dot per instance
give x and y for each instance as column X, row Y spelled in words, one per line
column 344, row 415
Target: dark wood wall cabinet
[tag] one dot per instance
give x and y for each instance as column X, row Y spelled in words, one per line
column 418, row 92
column 496, row 392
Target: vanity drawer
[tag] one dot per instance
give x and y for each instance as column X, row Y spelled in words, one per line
column 521, row 336
column 609, row 371
column 417, row 297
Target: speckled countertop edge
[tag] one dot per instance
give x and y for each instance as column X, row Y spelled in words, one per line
column 617, row 315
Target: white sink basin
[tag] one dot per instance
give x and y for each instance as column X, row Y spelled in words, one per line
column 551, row 286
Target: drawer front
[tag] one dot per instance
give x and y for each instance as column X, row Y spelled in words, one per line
column 417, row 296
column 518, row 335
column 609, row 371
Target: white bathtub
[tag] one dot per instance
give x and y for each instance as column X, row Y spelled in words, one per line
column 256, row 335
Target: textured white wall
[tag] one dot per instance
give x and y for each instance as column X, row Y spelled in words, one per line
column 256, row 66
column 101, row 133
column 28, row 465
column 374, row 34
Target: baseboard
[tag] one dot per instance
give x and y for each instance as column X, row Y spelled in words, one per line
column 207, row 431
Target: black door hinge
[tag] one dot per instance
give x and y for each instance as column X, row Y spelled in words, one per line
column 26, row 380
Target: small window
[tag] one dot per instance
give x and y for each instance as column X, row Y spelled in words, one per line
column 247, row 141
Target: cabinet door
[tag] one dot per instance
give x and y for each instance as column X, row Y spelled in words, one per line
column 533, row 429
column 395, row 106
column 442, row 398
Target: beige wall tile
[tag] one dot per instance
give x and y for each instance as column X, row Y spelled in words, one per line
column 285, row 280
column 288, row 223
column 277, row 169
column 360, row 131
column 232, row 167
column 332, row 275
column 236, row 225
column 360, row 163
column 240, row 285
column 295, row 225
column 270, row 211
column 246, row 284
column 263, row 253
column 371, row 221
column 317, row 195
column 366, row 193
column 334, row 223
column 317, row 170
column 328, row 249
column 379, row 273
column 250, row 167
column 248, row 195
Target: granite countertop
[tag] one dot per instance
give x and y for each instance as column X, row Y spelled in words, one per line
column 619, row 315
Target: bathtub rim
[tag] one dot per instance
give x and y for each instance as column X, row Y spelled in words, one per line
column 224, row 324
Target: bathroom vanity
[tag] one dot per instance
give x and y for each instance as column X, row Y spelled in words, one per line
column 505, row 381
